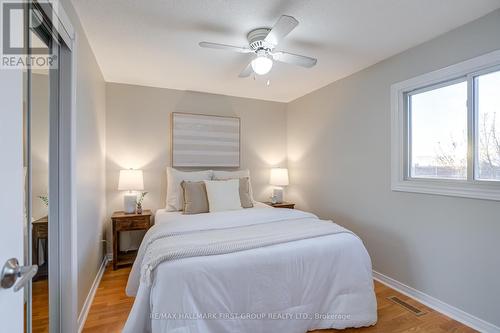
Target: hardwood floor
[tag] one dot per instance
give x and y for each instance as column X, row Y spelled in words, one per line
column 111, row 306
column 40, row 306
column 395, row 318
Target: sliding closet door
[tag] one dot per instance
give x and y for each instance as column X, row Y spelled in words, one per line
column 36, row 196
column 49, row 186
column 42, row 165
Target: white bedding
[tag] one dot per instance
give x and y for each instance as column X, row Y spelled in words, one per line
column 322, row 282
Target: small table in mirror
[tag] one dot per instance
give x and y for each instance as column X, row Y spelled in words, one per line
column 39, row 247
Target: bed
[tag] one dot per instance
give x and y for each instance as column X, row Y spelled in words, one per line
column 297, row 285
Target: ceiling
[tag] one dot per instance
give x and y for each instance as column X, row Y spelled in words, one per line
column 155, row 42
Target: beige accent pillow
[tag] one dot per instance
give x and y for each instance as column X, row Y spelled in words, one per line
column 195, row 197
column 245, row 197
column 175, row 196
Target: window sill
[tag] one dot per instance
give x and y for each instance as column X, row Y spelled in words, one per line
column 476, row 190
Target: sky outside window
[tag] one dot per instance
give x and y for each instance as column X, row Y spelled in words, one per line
column 488, row 103
column 439, row 132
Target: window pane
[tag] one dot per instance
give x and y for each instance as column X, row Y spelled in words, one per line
column 488, row 102
column 439, row 132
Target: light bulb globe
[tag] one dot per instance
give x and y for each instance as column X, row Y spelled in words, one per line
column 262, row 65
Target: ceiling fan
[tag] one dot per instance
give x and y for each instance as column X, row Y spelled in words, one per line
column 262, row 42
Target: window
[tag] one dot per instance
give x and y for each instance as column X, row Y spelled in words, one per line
column 438, row 127
column 487, row 89
column 446, row 131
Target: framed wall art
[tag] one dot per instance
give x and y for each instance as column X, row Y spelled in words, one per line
column 200, row 140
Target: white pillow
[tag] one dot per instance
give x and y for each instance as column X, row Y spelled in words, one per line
column 175, row 196
column 223, row 175
column 223, row 195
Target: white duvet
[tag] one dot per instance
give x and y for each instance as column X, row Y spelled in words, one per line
column 322, row 282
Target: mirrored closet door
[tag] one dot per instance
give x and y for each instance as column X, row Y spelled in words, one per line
column 38, row 160
column 36, row 243
column 41, row 144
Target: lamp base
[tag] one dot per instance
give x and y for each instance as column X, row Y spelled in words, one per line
column 278, row 195
column 129, row 203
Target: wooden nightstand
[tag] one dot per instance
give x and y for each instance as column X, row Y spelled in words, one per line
column 40, row 230
column 281, row 205
column 127, row 222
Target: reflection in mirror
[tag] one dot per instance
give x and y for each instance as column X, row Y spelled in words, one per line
column 26, row 191
column 39, row 161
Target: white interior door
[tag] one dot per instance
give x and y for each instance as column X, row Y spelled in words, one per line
column 11, row 192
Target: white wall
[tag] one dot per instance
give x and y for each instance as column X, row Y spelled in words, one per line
column 339, row 160
column 90, row 160
column 138, row 136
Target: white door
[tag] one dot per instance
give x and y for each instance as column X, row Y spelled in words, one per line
column 11, row 192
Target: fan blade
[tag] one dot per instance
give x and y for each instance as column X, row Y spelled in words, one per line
column 247, row 71
column 294, row 59
column 225, row 47
column 282, row 28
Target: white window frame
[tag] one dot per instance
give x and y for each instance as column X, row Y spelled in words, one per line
column 400, row 145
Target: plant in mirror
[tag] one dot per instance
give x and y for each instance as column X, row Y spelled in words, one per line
column 45, row 200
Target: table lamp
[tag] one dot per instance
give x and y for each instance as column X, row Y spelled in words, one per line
column 279, row 178
column 130, row 180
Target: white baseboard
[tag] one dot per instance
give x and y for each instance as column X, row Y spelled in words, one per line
column 440, row 306
column 90, row 297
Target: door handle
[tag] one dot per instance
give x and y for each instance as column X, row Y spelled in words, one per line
column 11, row 271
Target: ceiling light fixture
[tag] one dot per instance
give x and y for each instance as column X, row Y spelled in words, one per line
column 262, row 42
column 262, row 64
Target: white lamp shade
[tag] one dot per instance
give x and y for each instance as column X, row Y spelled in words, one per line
column 262, row 65
column 131, row 180
column 279, row 177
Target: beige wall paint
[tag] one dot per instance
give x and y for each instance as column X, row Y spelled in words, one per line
column 90, row 159
column 39, row 143
column 339, row 159
column 138, row 136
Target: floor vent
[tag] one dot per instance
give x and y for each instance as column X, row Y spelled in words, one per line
column 411, row 308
